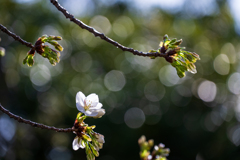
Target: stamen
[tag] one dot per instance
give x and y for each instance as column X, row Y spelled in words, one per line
column 87, row 106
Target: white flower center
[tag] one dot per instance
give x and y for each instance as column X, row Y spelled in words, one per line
column 88, row 104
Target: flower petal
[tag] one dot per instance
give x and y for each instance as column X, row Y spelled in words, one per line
column 101, row 139
column 75, row 144
column 98, row 106
column 91, row 113
column 97, row 113
column 80, row 97
column 93, row 99
column 80, row 108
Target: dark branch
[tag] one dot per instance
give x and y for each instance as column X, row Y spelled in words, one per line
column 34, row 124
column 16, row 37
column 102, row 36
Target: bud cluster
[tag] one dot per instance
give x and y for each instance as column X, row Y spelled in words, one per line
column 159, row 151
column 87, row 138
column 44, row 50
column 179, row 58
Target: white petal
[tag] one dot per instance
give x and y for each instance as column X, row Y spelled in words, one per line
column 93, row 99
column 75, row 144
column 80, row 108
column 80, row 97
column 82, row 144
column 101, row 139
column 97, row 113
column 99, row 105
column 91, row 113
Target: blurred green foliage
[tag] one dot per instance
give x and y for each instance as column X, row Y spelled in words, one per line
column 197, row 116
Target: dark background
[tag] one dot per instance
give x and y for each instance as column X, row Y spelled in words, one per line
column 197, row 117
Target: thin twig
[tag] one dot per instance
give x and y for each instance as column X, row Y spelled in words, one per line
column 34, row 124
column 102, row 36
column 16, row 37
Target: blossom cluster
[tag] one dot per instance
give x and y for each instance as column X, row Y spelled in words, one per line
column 179, row 58
column 44, row 50
column 86, row 138
column 159, row 151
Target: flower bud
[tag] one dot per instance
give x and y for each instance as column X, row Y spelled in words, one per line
column 165, row 37
column 95, row 152
column 141, row 140
column 2, row 51
column 173, row 40
column 150, row 143
column 191, row 68
column 161, row 145
column 29, row 60
column 178, row 42
column 86, row 137
column 57, row 38
column 58, row 47
column 53, row 42
column 99, row 137
column 195, row 55
column 180, row 74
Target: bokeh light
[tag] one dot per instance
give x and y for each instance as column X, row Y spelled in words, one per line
column 207, row 91
column 114, row 80
column 134, row 117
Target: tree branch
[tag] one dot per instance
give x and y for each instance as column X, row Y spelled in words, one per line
column 34, row 124
column 16, row 37
column 102, row 36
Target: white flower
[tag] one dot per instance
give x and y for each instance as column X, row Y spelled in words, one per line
column 89, row 105
column 77, row 143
